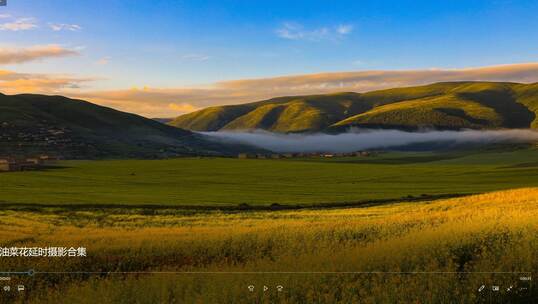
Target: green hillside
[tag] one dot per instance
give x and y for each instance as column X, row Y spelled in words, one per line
column 57, row 125
column 448, row 105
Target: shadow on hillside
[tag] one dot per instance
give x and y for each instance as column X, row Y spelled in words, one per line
column 241, row 207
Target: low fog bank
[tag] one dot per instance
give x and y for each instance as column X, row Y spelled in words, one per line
column 355, row 139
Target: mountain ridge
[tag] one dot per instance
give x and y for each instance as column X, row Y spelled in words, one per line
column 443, row 105
column 72, row 128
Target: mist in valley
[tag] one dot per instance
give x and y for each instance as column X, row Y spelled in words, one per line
column 362, row 139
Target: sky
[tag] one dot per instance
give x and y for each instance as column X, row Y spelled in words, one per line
column 165, row 58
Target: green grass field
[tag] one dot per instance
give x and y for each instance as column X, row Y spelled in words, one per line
column 230, row 182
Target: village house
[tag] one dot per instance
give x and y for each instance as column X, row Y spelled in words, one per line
column 34, row 161
column 301, row 155
column 47, row 160
column 4, row 165
column 31, row 163
column 7, row 165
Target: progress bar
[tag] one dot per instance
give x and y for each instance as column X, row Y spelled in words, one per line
column 32, row 272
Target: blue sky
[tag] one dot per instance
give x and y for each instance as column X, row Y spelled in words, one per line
column 181, row 44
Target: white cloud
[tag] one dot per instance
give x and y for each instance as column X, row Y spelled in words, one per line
column 20, row 24
column 5, row 16
column 296, row 31
column 195, row 57
column 64, row 27
column 344, row 29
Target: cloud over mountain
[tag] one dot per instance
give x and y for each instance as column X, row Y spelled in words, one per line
column 154, row 101
column 13, row 82
column 11, row 55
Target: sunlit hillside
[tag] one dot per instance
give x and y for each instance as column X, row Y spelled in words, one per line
column 448, row 105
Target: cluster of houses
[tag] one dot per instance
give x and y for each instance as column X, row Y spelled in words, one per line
column 41, row 132
column 305, row 155
column 12, row 164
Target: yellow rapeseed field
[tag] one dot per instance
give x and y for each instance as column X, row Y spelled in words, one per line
column 421, row 252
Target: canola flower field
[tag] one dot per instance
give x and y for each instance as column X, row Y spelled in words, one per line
column 436, row 251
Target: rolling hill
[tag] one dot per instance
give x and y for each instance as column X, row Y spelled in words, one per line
column 447, row 105
column 70, row 128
